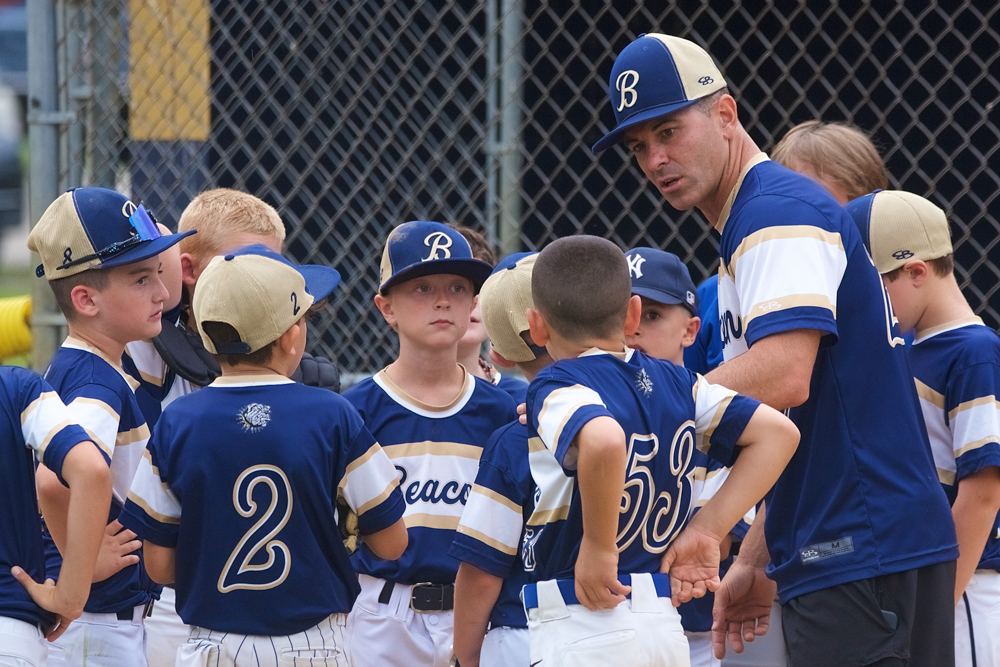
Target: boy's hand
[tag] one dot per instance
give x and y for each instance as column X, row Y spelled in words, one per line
column 522, row 413
column 693, row 563
column 597, row 585
column 48, row 597
column 742, row 607
column 116, row 551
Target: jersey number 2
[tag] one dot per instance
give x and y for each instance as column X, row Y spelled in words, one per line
column 247, row 567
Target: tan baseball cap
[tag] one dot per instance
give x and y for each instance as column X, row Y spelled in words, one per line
column 899, row 227
column 260, row 294
column 505, row 296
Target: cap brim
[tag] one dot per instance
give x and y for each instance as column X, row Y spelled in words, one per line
column 663, row 297
column 616, row 135
column 475, row 270
column 320, row 280
column 144, row 250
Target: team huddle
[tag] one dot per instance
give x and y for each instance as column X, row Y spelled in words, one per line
column 795, row 463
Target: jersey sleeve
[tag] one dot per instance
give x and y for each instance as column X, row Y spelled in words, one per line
column 974, row 417
column 152, row 510
column 489, row 534
column 721, row 415
column 370, row 484
column 787, row 276
column 98, row 410
column 708, row 481
column 46, row 424
column 557, row 411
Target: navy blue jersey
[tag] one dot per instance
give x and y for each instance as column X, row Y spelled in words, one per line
column 792, row 258
column 956, row 367
column 666, row 411
column 34, row 424
column 516, row 387
column 491, row 531
column 705, row 354
column 436, row 451
column 242, row 479
column 159, row 385
column 101, row 398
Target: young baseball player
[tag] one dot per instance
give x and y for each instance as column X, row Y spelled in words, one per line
column 432, row 418
column 838, row 156
column 100, row 254
column 235, row 497
column 35, row 425
column 623, row 428
column 956, row 368
column 805, row 326
column 491, row 574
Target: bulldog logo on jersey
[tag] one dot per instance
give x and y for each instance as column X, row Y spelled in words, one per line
column 254, row 417
column 644, row 382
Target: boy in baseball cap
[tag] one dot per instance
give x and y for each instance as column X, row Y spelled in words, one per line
column 488, row 543
column 235, row 496
column 670, row 319
column 955, row 360
column 100, row 254
column 433, row 418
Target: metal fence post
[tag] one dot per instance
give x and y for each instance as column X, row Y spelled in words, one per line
column 511, row 75
column 43, row 173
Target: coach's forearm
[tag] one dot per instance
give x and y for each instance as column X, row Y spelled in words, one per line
column 475, row 594
column 975, row 511
column 776, row 371
column 753, row 550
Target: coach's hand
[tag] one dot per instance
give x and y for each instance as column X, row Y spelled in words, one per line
column 596, row 573
column 117, row 551
column 49, row 597
column 693, row 563
column 742, row 609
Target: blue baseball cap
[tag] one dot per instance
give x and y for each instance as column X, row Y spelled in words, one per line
column 423, row 248
column 662, row 277
column 87, row 228
column 656, row 75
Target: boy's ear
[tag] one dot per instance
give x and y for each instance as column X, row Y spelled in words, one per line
column 538, row 327
column 633, row 316
column 189, row 269
column 691, row 332
column 917, row 272
column 290, row 339
column 83, row 300
column 500, row 360
column 384, row 305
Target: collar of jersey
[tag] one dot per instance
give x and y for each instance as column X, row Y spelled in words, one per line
column 724, row 216
column 77, row 344
column 925, row 334
column 594, row 351
column 416, row 406
column 250, row 380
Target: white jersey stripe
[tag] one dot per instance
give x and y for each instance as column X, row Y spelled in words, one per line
column 152, row 495
column 99, row 420
column 492, row 522
column 781, row 233
column 559, row 407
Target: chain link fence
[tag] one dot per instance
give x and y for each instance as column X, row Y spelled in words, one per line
column 353, row 116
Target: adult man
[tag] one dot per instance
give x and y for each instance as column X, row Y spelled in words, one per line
column 806, row 327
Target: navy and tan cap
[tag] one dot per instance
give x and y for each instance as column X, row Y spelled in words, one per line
column 662, row 277
column 260, row 294
column 898, row 227
column 505, row 297
column 423, row 248
column 656, row 75
column 88, row 228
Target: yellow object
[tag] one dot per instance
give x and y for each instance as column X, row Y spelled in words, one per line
column 169, row 71
column 15, row 326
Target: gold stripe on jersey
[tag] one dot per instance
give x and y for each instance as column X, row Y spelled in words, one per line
column 487, row 540
column 97, row 403
column 783, row 233
column 76, row 343
column 974, row 403
column 535, row 445
column 569, row 412
column 926, row 393
column 162, row 518
column 920, row 336
column 155, row 468
column 110, row 451
column 779, row 304
column 720, row 412
column 379, row 499
column 407, row 449
column 431, row 521
column 496, row 497
column 728, row 206
column 976, row 444
column 542, row 517
column 703, row 474
column 358, row 462
column 51, row 434
column 946, row 476
column 132, row 436
column 412, row 400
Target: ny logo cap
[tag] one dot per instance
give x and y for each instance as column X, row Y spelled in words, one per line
column 662, row 277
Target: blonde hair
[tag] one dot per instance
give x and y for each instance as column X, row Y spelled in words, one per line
column 838, row 151
column 218, row 213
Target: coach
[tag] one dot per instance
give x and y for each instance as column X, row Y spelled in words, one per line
column 858, row 532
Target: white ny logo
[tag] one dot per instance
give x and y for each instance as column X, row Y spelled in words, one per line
column 626, row 83
column 635, row 265
column 437, row 241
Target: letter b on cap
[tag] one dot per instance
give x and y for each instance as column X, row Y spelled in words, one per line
column 626, row 83
column 438, row 242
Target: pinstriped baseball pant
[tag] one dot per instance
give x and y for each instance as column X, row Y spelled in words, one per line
column 324, row 645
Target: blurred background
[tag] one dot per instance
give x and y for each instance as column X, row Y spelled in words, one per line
column 351, row 117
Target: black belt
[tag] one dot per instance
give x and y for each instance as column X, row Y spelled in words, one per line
column 129, row 613
column 424, row 597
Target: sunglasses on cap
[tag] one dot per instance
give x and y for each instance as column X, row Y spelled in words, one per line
column 143, row 229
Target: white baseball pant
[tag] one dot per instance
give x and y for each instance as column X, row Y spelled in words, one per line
column 766, row 651
column 700, row 647
column 21, row 644
column 165, row 631
column 101, row 640
column 983, row 596
column 505, row 647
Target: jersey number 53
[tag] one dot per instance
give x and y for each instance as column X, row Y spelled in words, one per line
column 259, row 561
